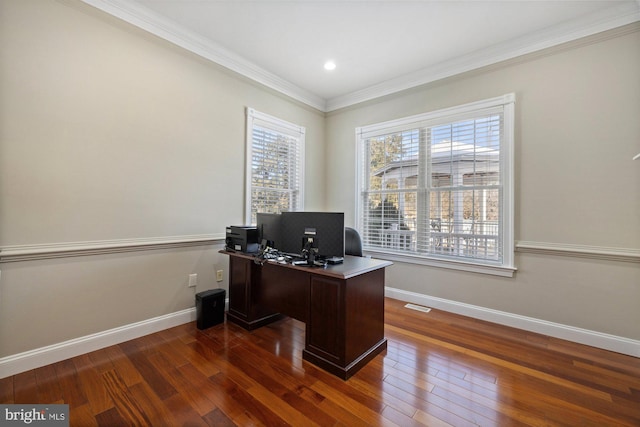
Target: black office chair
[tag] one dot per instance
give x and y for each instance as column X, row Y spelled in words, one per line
column 352, row 242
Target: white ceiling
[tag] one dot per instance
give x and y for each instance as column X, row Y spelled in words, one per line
column 379, row 46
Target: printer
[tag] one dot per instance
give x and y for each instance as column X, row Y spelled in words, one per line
column 242, row 238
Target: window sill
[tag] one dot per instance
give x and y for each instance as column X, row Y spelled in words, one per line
column 495, row 270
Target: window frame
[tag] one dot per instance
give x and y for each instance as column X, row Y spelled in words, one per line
column 282, row 127
column 506, row 104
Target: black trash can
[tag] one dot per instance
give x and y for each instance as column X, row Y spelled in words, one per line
column 210, row 308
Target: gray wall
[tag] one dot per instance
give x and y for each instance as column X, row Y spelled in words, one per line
column 108, row 133
column 576, row 186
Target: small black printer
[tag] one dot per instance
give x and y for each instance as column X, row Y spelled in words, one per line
column 242, row 238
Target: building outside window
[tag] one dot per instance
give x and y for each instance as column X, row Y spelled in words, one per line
column 438, row 187
column 275, row 165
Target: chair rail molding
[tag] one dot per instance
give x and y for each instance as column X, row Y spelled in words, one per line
column 580, row 251
column 99, row 247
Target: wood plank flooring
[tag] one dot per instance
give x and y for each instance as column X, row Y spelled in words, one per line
column 440, row 369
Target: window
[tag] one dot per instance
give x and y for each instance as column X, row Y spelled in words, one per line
column 275, row 160
column 437, row 188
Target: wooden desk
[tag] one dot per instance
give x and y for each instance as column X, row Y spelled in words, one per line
column 342, row 306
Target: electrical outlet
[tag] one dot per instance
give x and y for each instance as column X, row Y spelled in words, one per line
column 193, row 280
column 219, row 275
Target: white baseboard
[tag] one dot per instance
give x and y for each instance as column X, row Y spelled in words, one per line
column 43, row 356
column 557, row 330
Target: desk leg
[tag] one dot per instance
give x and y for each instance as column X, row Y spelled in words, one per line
column 345, row 328
column 244, row 307
column 345, row 371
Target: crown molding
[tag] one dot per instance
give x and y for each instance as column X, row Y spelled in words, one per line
column 164, row 28
column 586, row 26
column 160, row 26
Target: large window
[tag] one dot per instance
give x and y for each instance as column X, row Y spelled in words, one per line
column 275, row 163
column 437, row 188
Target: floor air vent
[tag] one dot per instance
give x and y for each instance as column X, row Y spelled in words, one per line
column 418, row 308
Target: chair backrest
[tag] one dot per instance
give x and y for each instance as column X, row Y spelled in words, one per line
column 352, row 242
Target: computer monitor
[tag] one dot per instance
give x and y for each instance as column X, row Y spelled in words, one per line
column 270, row 228
column 326, row 228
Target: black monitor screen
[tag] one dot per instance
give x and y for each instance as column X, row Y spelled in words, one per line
column 270, row 226
column 327, row 229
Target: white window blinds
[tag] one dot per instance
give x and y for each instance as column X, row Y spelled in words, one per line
column 275, row 163
column 439, row 185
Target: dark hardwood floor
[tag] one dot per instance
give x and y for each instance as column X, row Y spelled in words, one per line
column 439, row 369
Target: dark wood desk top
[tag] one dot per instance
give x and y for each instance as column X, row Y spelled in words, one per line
column 352, row 265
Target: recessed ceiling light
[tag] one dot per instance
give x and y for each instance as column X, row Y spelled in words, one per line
column 329, row 65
